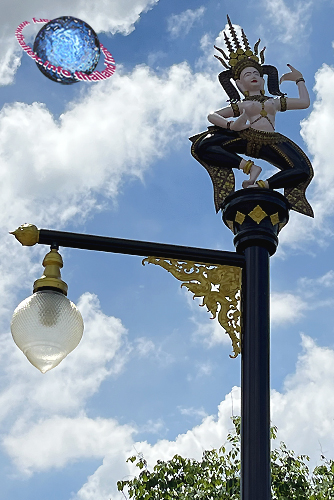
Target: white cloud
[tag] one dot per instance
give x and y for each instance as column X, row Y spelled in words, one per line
column 193, row 412
column 211, row 433
column 10, row 60
column 289, row 19
column 316, row 131
column 310, row 294
column 110, row 15
column 181, row 24
column 154, row 58
column 44, row 159
column 286, row 307
column 327, row 280
column 303, row 413
column 209, row 332
column 204, row 369
column 311, row 287
column 154, row 427
column 297, row 232
column 59, row 440
column 144, row 346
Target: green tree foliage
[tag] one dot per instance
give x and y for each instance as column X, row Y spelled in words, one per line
column 217, row 475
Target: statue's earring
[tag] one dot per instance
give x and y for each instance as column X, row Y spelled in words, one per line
column 262, row 92
column 246, row 93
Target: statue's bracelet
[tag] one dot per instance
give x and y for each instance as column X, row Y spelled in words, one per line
column 300, row 80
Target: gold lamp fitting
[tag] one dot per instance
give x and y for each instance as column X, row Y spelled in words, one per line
column 52, row 262
column 27, row 234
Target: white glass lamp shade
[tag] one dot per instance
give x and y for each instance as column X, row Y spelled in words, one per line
column 46, row 326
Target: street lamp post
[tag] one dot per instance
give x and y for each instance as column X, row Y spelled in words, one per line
column 255, row 217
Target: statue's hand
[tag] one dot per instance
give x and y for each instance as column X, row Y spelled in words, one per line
column 241, row 122
column 294, row 74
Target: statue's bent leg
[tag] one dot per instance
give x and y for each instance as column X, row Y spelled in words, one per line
column 288, row 178
column 296, row 173
column 211, row 150
column 220, row 149
column 289, row 158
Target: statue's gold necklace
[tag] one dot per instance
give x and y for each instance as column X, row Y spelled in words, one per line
column 263, row 113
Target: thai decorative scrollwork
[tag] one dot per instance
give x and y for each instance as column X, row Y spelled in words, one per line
column 219, row 287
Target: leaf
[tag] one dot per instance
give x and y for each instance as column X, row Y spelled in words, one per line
column 217, row 475
column 120, row 485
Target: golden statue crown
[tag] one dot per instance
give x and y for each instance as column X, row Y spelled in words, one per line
column 240, row 57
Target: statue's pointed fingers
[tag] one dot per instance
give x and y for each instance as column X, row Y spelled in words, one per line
column 291, row 67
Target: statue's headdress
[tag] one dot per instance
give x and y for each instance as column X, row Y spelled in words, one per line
column 240, row 58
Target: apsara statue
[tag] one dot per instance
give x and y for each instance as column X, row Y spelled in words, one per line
column 252, row 133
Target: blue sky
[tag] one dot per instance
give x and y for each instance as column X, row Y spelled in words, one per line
column 152, row 373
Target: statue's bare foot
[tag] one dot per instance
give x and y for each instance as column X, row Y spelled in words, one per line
column 261, row 184
column 253, row 175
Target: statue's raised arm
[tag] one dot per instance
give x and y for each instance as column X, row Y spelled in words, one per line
column 303, row 101
column 247, row 126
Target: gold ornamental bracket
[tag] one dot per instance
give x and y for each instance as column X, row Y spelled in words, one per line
column 219, row 286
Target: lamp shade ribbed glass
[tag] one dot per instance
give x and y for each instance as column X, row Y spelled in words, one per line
column 46, row 326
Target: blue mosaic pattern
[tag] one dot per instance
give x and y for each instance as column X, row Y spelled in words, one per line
column 70, row 43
